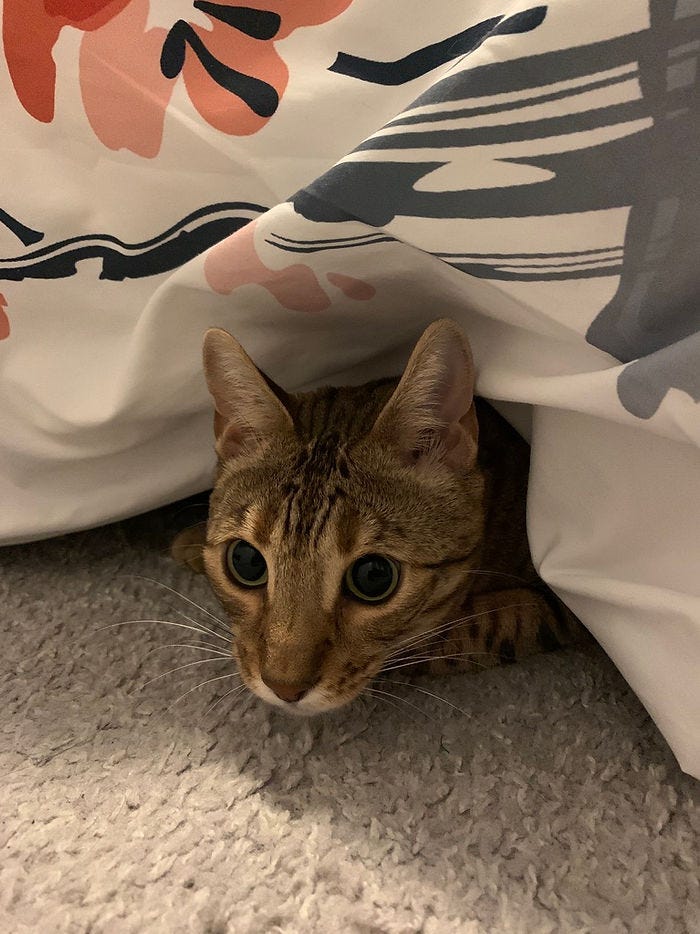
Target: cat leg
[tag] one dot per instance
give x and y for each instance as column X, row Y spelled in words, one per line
column 503, row 626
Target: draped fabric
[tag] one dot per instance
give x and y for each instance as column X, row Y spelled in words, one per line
column 325, row 177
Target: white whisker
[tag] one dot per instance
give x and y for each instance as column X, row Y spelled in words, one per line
column 202, row 646
column 430, row 694
column 237, row 690
column 177, row 593
column 417, row 638
column 515, row 577
column 436, row 658
column 162, row 622
column 369, row 692
column 401, row 700
column 200, row 661
column 201, row 684
column 212, row 632
column 435, row 630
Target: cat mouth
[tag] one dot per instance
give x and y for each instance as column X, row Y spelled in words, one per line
column 314, row 703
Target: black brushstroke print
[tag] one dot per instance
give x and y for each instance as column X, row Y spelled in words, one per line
column 260, row 96
column 423, row 60
column 258, row 24
column 515, row 267
column 120, row 260
column 21, row 231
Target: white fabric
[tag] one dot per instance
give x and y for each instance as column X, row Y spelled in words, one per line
column 103, row 408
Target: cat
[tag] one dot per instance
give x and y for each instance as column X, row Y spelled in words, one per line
column 357, row 528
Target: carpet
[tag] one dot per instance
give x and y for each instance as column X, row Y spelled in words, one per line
column 547, row 803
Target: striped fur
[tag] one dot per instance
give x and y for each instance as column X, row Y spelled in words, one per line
column 318, row 479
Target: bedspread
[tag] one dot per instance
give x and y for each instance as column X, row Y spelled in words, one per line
column 325, row 177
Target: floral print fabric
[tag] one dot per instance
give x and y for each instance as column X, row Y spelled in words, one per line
column 325, row 177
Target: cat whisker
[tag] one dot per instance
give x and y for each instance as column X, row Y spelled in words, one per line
column 407, row 642
column 461, row 619
column 214, row 632
column 401, row 700
column 417, row 638
column 236, row 691
column 369, row 692
column 162, row 622
column 233, row 674
column 177, row 593
column 202, row 646
column 417, row 660
column 415, row 687
column 200, row 661
column 514, row 577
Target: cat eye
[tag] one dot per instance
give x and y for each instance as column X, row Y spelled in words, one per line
column 245, row 564
column 372, row 578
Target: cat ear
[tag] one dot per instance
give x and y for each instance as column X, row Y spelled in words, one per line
column 431, row 413
column 248, row 407
column 188, row 546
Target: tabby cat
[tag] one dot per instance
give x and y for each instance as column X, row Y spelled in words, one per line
column 350, row 528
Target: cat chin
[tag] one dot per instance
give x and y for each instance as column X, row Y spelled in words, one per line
column 313, row 704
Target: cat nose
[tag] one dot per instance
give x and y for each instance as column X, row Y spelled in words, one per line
column 286, row 690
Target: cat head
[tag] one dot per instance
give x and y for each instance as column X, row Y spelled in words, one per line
column 342, row 521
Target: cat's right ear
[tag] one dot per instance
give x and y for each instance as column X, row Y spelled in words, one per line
column 248, row 407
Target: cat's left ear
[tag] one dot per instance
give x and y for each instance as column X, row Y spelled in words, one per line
column 188, row 547
column 431, row 414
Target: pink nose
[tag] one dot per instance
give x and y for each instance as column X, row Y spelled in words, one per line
column 286, row 691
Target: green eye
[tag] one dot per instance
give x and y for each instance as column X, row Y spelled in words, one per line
column 372, row 578
column 245, row 564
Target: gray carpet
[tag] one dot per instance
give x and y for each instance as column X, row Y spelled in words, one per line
column 552, row 804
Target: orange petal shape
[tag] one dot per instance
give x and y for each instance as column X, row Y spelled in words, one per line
column 253, row 57
column 221, row 108
column 235, row 262
column 353, row 288
column 30, row 29
column 125, row 95
column 84, row 14
column 4, row 320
